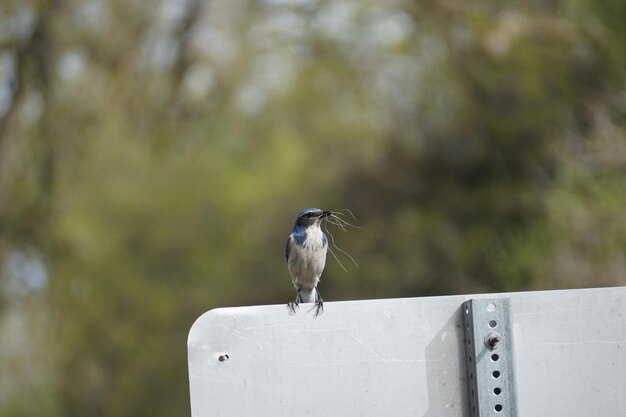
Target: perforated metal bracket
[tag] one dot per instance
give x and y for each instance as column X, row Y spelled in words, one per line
column 489, row 358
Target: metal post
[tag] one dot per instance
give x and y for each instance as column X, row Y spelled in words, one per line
column 489, row 358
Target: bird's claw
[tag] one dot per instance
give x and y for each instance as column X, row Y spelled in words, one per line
column 319, row 307
column 292, row 307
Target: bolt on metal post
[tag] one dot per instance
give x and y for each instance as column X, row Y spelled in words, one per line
column 492, row 340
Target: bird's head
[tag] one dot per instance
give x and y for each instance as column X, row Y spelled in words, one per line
column 311, row 216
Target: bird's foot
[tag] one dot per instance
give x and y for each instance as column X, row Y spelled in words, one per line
column 292, row 307
column 319, row 306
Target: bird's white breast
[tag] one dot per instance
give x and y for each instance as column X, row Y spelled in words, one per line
column 315, row 239
column 307, row 262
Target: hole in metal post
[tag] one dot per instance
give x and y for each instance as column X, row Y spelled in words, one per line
column 498, row 408
column 223, row 358
column 497, row 391
column 493, row 324
column 495, row 357
column 491, row 307
column 496, row 374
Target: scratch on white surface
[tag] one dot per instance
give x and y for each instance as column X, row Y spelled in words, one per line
column 401, row 361
column 366, row 346
column 543, row 312
column 324, row 330
column 602, row 394
column 426, row 325
column 608, row 399
column 367, row 400
column 582, row 342
column 237, row 335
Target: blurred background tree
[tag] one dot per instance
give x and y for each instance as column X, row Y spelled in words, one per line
column 153, row 156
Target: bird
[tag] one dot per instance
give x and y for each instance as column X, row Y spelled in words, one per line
column 305, row 251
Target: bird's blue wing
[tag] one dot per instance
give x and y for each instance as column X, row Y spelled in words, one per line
column 288, row 247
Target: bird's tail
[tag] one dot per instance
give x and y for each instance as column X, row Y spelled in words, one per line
column 307, row 295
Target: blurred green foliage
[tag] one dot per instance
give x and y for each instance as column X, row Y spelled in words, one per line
column 153, row 156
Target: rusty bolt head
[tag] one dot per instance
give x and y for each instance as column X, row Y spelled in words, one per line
column 492, row 340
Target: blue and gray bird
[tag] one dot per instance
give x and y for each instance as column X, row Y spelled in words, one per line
column 306, row 256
